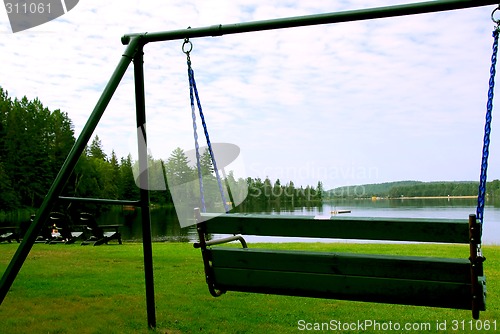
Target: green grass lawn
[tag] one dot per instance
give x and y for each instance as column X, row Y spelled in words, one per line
column 75, row 289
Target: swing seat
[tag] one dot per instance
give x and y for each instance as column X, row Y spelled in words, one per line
column 407, row 280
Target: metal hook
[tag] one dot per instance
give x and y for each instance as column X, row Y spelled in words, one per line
column 187, row 42
column 497, row 21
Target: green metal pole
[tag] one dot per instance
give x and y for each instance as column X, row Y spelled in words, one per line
column 144, row 186
column 308, row 20
column 67, row 168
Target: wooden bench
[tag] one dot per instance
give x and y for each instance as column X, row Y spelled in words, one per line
column 408, row 280
column 99, row 234
column 62, row 229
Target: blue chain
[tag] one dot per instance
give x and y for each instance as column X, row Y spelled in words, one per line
column 192, row 87
column 487, row 131
column 197, row 147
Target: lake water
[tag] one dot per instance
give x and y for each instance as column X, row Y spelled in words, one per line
column 165, row 225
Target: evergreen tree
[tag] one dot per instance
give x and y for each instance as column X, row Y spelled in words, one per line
column 95, row 150
column 5, row 106
column 63, row 138
column 319, row 191
column 30, row 146
column 128, row 187
column 178, row 169
column 252, row 190
column 8, row 197
column 86, row 177
column 290, row 193
column 109, row 175
column 207, row 169
column 277, row 192
column 267, row 189
column 300, row 196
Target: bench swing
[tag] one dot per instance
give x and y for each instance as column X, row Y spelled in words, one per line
column 407, row 280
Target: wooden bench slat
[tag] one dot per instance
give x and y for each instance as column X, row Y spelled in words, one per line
column 383, row 266
column 396, row 229
column 357, row 288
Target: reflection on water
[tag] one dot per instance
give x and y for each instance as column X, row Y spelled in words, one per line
column 165, row 225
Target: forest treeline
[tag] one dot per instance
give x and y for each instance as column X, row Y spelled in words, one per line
column 34, row 142
column 431, row 189
column 414, row 189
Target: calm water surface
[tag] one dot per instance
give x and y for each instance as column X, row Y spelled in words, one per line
column 165, row 225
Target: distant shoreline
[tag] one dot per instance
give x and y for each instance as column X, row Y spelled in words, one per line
column 428, row 197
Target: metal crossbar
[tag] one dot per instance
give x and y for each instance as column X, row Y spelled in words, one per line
column 309, row 20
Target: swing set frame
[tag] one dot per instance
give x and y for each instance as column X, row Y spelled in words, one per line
column 134, row 52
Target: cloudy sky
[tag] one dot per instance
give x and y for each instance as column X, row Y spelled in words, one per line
column 350, row 103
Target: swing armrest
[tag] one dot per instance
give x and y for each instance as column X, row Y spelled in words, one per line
column 223, row 241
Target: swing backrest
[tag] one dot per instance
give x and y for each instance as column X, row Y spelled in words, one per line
column 341, row 227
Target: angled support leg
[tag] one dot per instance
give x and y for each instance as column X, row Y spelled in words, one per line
column 67, row 168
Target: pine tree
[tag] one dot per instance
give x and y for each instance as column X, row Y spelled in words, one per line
column 178, row 169
column 207, row 169
column 319, row 191
column 128, row 188
column 95, row 150
column 277, row 192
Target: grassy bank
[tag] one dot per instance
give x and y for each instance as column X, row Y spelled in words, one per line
column 75, row 289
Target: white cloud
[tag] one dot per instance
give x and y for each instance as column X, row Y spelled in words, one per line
column 404, row 97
